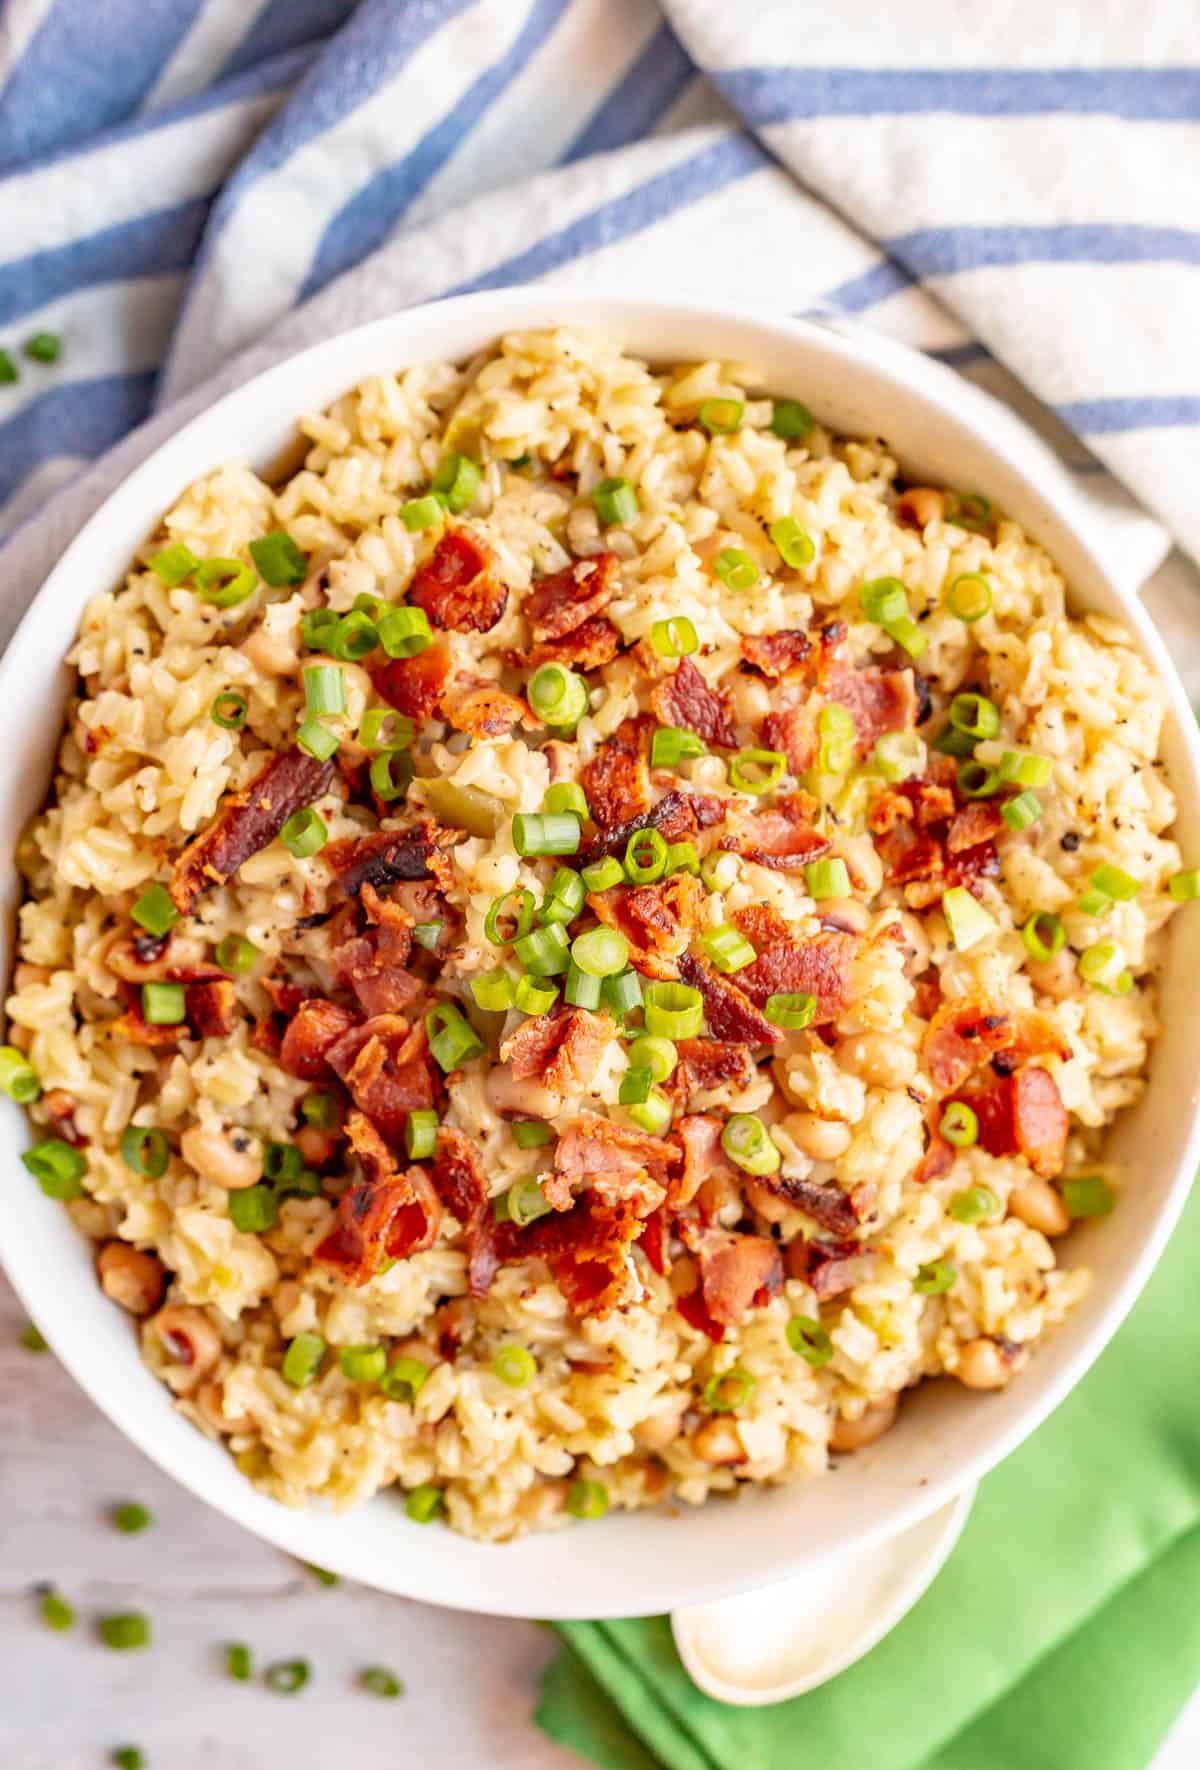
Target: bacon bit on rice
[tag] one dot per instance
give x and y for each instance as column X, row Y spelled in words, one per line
column 246, row 822
column 457, row 586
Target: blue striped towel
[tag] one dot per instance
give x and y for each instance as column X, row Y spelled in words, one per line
column 193, row 188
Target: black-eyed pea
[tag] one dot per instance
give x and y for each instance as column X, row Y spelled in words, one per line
column 131, row 1276
column 210, row 1401
column 229, row 1159
column 1037, row 1204
column 190, row 1342
column 661, row 1427
column 879, row 1059
column 1056, row 977
column 983, row 1364
column 822, row 1139
column 872, row 1423
column 718, row 1441
column 921, row 505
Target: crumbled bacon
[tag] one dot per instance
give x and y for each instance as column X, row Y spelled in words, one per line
column 416, row 686
column 976, row 823
column 699, row 1136
column 316, row 1027
column 563, row 602
column 488, row 712
column 728, row 1010
column 562, row 1048
column 374, row 963
column 457, row 586
column 878, row 700
column 825, row 1202
column 1023, row 1114
column 678, row 817
column 966, row 1032
column 781, row 836
column 912, row 826
column 656, row 920
column 617, row 1163
column 387, row 1214
column 762, row 925
column 386, row 857
column 828, row 1266
column 588, row 1250
column 705, row 1064
column 143, row 958
column 615, row 780
column 818, row 966
column 685, row 699
column 211, row 1008
column 589, row 646
column 458, row 1174
column 655, row 1238
column 385, row 1065
column 792, row 731
column 777, row 654
column 737, row 1273
column 246, row 822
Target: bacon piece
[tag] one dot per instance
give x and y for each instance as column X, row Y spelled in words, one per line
column 385, row 1065
column 286, row 995
column 1023, row 1114
column 590, row 645
column 615, row 780
column 793, row 732
column 374, row 963
column 825, row 1202
column 781, row 837
column 685, row 699
column 316, row 1028
column 678, row 817
column 817, row 966
column 617, row 1163
column 386, row 1214
column 737, row 1272
column 458, row 1174
column 457, row 586
column 587, row 1249
column 777, row 654
column 912, row 826
column 976, row 823
column 705, row 1064
column 728, row 1010
column 703, row 1157
column 211, row 1008
column 564, row 601
column 246, row 822
column 562, row 1048
column 654, row 1240
column 387, row 856
column 416, row 685
column 878, row 700
column 828, row 1266
column 965, row 1032
column 656, row 920
column 762, row 925
column 488, row 712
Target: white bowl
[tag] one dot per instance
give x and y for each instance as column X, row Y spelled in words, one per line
column 942, row 431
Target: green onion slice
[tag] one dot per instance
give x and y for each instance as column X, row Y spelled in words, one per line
column 674, row 638
column 793, row 544
column 174, row 564
column 509, row 918
column 721, row 417
column 404, row 632
column 515, row 1365
column 827, row 877
column 935, row 1278
column 791, row 1009
column 805, row 1335
column 1044, row 936
column 671, row 745
column 967, row 920
column 567, row 796
column 145, row 1150
column 544, row 952
column 736, row 569
column 541, row 832
column 557, row 695
column 456, row 482
column 725, row 1393
column 304, row 834
column 746, row 1143
column 728, row 949
column 673, row 1010
column 224, row 582
column 969, row 597
column 974, row 1205
column 587, row 1499
column 615, row 501
column 18, row 1078
column 452, row 1040
column 791, row 418
column 757, row 771
column 278, row 559
column 1088, row 1196
column 645, row 857
column 959, row 1125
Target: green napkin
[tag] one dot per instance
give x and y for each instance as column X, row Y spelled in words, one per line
column 1063, row 1634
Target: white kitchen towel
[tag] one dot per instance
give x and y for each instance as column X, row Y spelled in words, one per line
column 190, row 189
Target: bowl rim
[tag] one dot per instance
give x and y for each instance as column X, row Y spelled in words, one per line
column 913, row 378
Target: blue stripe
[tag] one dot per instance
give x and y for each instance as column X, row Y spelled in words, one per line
column 79, row 418
column 960, row 356
column 150, row 245
column 287, row 24
column 646, row 92
column 782, row 95
column 879, row 283
column 1106, row 417
column 736, row 157
column 372, row 213
column 81, row 72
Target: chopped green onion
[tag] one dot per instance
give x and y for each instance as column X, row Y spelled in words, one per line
column 1044, row 936
column 515, row 1365
column 319, row 628
column 792, row 543
column 791, row 418
column 935, row 1278
column 544, row 832
column 145, row 1151
column 974, row 1204
column 1025, row 769
column 601, row 875
column 1116, row 883
column 18, row 1078
column 746, row 1143
column 132, row 1518
column 424, row 1503
column 239, row 1662
column 791, row 1009
column 652, row 1115
column 949, row 742
column 456, row 482
column 969, row 597
column 959, row 1125
column 977, row 781
column 587, row 1499
column 282, row 1162
column 544, row 952
column 452, row 1040
column 623, row 994
column 635, row 1087
column 615, row 501
column 745, row 767
column 324, row 689
column 511, row 906
column 970, row 510
column 427, row 934
column 286, row 1676
column 601, row 952
column 43, row 347
column 391, row 775
column 525, row 1202
column 1021, row 811
column 675, row 637
column 884, row 601
column 580, row 989
column 564, row 898
column 899, row 755
column 126, row 1631
column 380, row 1682
column 1088, row 1196
column 253, row 1209
column 567, row 796
column 372, row 606
column 316, row 739
column 671, row 745
column 1185, row 885
column 530, row 1133
column 32, row 1340
column 279, row 561
column 57, row 1168
column 557, row 695
column 163, row 1004
column 420, row 513
column 720, row 870
column 57, row 1614
column 362, row 1364
column 174, row 564
column 421, row 1133
column 645, row 857
column 728, row 949
column 224, row 582
column 128, row 1757
column 303, row 1359
column 682, row 858
column 735, row 568
column 721, row 417
column 405, row 632
column 658, row 1055
column 493, row 991
column 235, row 954
column 304, row 833
column 1102, row 966
column 531, row 997
column 8, row 369
column 154, row 910
column 1095, row 903
column 976, row 715
column 230, row 710
column 354, row 637
column 725, row 1393
column 967, row 921
column 836, row 737
column 827, row 878
column 673, row 1011
column 404, row 1379
column 805, row 1335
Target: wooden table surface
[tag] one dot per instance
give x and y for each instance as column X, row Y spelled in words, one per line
column 66, row 1701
